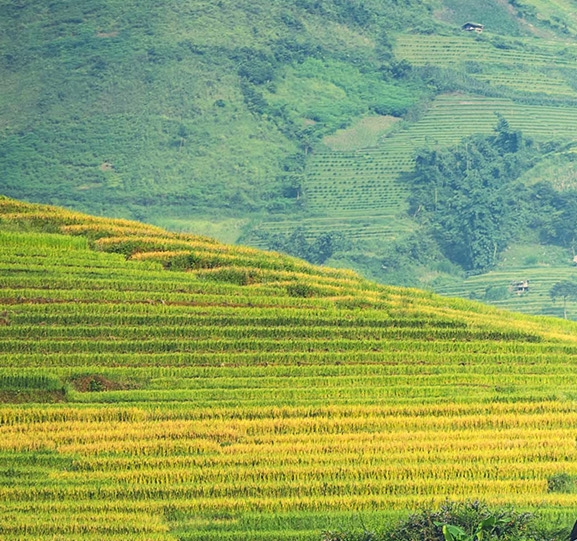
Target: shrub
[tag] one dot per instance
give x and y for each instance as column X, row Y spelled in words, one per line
column 461, row 521
column 496, row 293
column 560, row 482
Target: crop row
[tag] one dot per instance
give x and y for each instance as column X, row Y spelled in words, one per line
column 354, row 232
column 65, row 318
column 395, row 355
column 331, row 369
column 408, row 393
column 367, row 456
column 50, row 278
column 28, row 335
column 248, row 297
column 27, row 321
column 538, row 83
column 384, row 432
column 345, row 195
column 421, row 50
column 247, row 341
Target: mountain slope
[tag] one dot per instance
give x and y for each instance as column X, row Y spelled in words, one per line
column 163, row 386
column 290, row 126
column 140, row 109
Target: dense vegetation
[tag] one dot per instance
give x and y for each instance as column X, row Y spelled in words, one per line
column 163, row 386
column 463, row 521
column 471, row 199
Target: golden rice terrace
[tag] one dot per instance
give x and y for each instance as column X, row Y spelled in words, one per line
column 156, row 386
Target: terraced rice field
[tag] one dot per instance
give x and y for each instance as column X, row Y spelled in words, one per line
column 361, row 181
column 156, row 386
column 544, row 82
column 446, row 51
column 535, row 67
column 537, row 301
column 454, row 116
column 366, row 182
column 356, row 227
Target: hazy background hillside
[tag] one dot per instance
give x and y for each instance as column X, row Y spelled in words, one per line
column 296, row 125
column 179, row 108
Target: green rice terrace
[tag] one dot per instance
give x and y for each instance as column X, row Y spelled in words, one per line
column 160, row 386
column 359, row 193
column 531, row 82
column 539, row 266
column 438, row 50
column 365, row 180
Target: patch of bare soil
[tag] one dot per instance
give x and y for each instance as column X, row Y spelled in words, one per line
column 96, row 383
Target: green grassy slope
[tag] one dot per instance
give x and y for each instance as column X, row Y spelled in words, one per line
column 168, row 387
column 146, row 110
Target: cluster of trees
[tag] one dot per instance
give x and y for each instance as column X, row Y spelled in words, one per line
column 470, row 199
column 298, row 243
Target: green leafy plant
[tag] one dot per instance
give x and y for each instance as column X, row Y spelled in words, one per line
column 483, row 530
column 459, row 521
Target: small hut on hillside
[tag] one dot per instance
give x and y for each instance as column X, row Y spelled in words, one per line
column 473, row 27
column 520, row 287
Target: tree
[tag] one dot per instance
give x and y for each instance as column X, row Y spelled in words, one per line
column 566, row 290
column 316, row 251
column 469, row 198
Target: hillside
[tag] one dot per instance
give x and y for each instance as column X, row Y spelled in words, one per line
column 540, row 266
column 284, row 125
column 164, row 386
column 182, row 109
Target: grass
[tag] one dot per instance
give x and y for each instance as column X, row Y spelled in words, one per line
column 557, row 13
column 364, row 133
column 559, row 169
